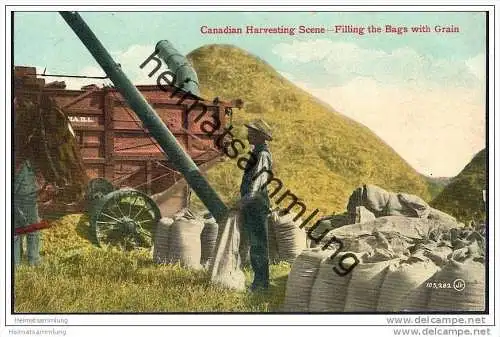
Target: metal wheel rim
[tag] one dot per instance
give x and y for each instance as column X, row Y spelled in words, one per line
column 126, row 218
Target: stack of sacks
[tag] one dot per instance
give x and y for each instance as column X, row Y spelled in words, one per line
column 178, row 240
column 394, row 273
column 402, row 248
column 377, row 282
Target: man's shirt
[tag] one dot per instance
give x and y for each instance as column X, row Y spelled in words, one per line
column 255, row 178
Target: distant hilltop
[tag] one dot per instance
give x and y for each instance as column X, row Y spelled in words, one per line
column 463, row 196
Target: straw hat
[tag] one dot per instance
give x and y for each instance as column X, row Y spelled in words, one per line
column 262, row 127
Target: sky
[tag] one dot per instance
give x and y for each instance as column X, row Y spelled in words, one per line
column 422, row 93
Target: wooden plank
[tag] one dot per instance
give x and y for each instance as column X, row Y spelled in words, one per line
column 94, row 160
column 109, row 136
column 87, row 128
column 149, row 176
column 84, row 111
column 137, row 158
column 79, row 98
column 90, row 144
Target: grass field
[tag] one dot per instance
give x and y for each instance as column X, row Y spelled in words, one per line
column 76, row 276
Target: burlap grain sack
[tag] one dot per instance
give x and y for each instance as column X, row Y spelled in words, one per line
column 401, row 280
column 415, row 205
column 467, row 290
column 329, row 291
column 364, row 286
column 362, row 214
column 208, row 240
column 436, row 214
column 318, row 232
column 394, row 206
column 384, row 203
column 225, row 267
column 184, row 243
column 290, row 239
column 375, row 199
column 418, row 299
column 271, row 237
column 301, row 279
column 160, row 249
column 412, row 228
column 360, row 244
column 439, row 255
column 336, row 220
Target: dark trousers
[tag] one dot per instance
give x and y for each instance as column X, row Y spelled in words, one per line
column 254, row 216
column 33, row 247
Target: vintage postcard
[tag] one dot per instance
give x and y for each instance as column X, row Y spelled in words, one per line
column 271, row 161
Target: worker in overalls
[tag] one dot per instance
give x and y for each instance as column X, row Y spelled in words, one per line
column 255, row 201
column 25, row 208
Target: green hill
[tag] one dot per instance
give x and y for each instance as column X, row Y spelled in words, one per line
column 436, row 184
column 463, row 196
column 319, row 154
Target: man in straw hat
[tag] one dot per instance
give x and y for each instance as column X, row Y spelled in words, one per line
column 255, row 201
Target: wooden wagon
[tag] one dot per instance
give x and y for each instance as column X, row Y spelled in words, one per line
column 118, row 152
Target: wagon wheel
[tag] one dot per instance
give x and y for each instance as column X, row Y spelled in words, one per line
column 125, row 218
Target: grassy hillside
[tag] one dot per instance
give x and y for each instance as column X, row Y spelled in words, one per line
column 436, row 184
column 319, row 154
column 463, row 196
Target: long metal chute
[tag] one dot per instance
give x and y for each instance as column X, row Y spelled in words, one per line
column 148, row 116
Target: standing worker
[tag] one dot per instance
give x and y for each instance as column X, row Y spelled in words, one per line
column 255, row 201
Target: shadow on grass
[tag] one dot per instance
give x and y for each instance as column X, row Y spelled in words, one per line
column 84, row 231
column 272, row 298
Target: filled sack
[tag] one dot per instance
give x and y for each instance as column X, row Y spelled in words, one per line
column 301, row 279
column 161, row 247
column 290, row 238
column 329, row 290
column 225, row 266
column 401, row 280
column 460, row 287
column 208, row 238
column 184, row 245
column 364, row 286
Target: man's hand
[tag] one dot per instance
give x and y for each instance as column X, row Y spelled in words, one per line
column 244, row 201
